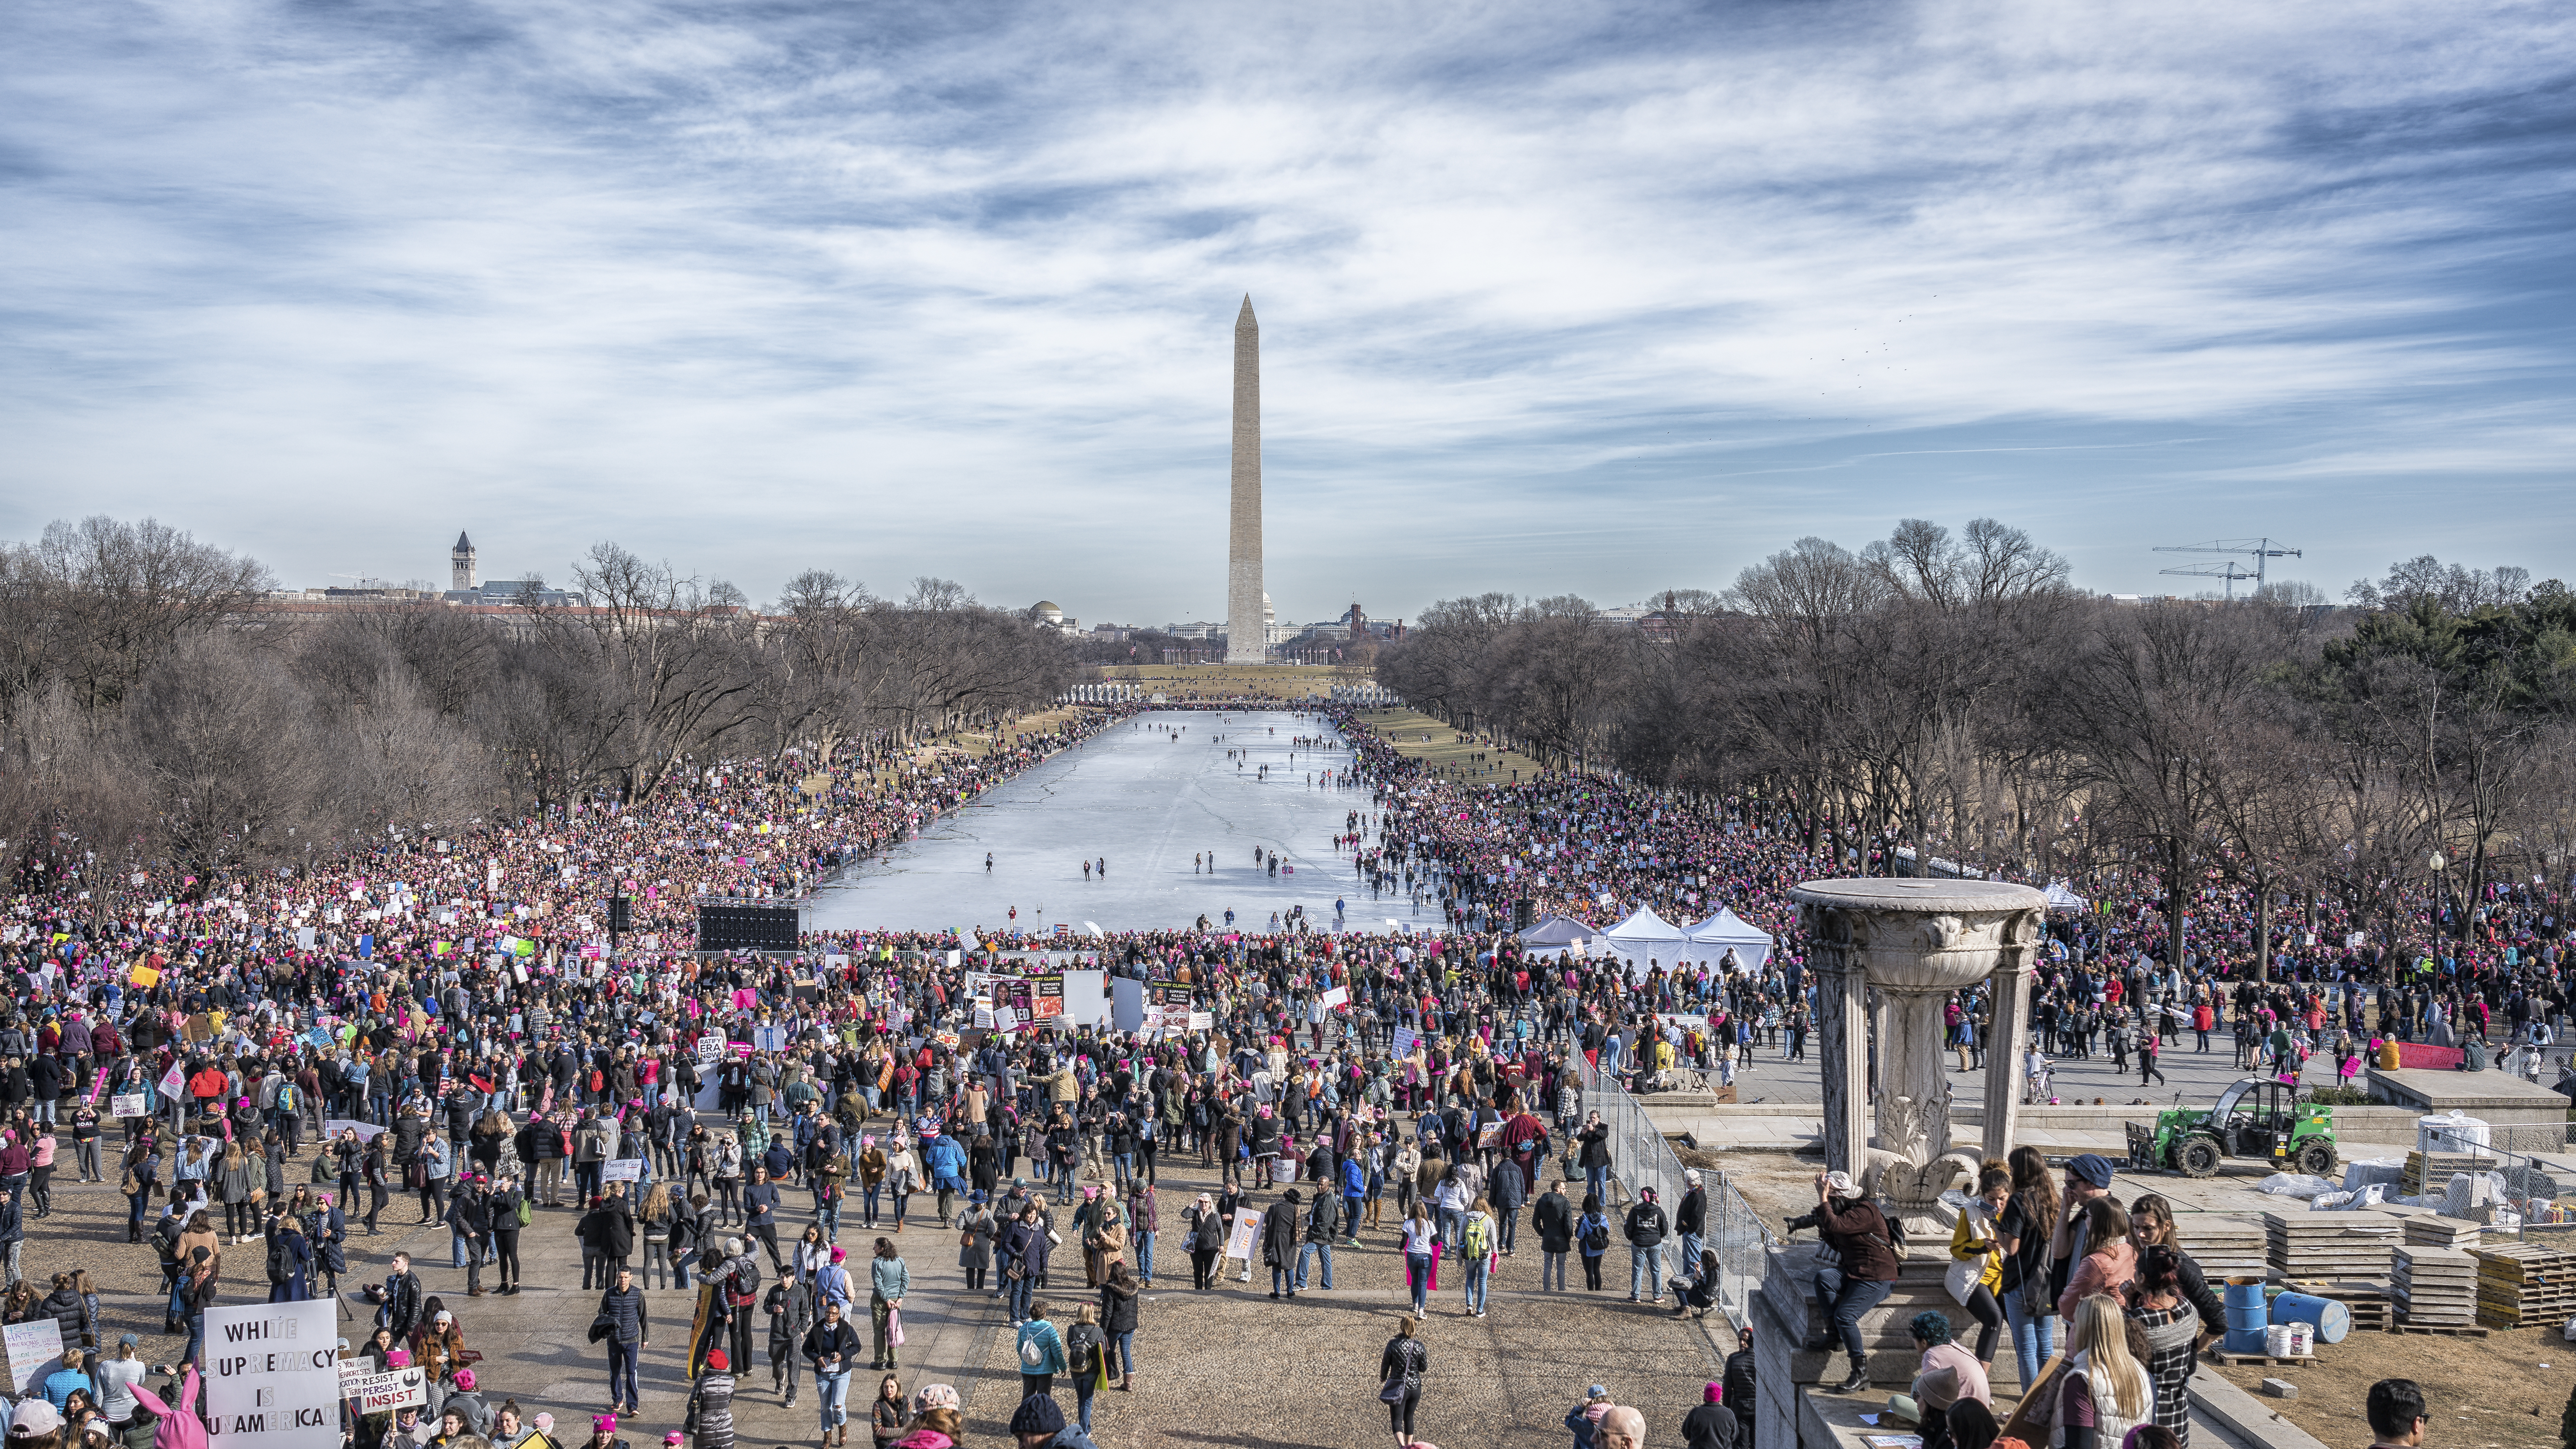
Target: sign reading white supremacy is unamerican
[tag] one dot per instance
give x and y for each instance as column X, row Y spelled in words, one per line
column 273, row 1375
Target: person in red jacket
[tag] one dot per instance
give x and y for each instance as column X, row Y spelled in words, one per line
column 207, row 1086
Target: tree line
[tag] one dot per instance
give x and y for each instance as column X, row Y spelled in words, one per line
column 158, row 706
column 1951, row 697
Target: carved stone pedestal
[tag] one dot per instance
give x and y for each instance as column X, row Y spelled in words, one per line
column 1911, row 943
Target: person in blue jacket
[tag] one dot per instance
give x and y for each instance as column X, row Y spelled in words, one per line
column 945, row 1161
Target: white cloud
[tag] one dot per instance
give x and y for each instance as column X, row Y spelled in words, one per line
column 949, row 290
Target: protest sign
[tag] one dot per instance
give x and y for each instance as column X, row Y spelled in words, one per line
column 332, row 1127
column 1247, row 1231
column 273, row 1375
column 622, row 1169
column 769, row 1038
column 382, row 1393
column 127, row 1104
column 33, row 1348
column 1046, row 996
column 173, row 1079
column 1337, row 998
column 1202, row 1021
column 1402, row 1042
column 711, row 1047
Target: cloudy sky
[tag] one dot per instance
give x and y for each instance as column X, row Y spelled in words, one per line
column 1599, row 298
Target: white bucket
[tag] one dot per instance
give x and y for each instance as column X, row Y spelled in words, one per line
column 2290, row 1340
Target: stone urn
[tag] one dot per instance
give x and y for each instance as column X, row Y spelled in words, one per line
column 1913, row 943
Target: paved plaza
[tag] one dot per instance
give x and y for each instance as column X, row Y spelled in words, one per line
column 1147, row 801
column 1229, row 1367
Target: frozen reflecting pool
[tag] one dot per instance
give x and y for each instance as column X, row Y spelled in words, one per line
column 1146, row 800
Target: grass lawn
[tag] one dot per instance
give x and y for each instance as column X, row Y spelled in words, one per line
column 1447, row 749
column 1228, row 681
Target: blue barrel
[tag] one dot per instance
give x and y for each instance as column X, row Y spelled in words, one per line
column 2332, row 1320
column 2247, row 1316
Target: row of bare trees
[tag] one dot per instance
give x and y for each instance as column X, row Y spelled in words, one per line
column 1954, row 697
column 159, row 706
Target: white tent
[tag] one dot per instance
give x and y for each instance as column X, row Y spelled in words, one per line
column 1645, row 937
column 1557, row 933
column 2061, row 898
column 1727, row 931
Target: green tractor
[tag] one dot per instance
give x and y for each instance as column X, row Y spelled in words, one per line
column 2255, row 1117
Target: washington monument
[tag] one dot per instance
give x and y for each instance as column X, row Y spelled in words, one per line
column 1247, row 635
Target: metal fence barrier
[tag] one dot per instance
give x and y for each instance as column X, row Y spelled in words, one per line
column 1641, row 1158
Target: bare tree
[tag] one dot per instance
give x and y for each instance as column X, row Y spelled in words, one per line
column 95, row 603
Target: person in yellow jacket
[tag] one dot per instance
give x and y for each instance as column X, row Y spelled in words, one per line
column 1973, row 1241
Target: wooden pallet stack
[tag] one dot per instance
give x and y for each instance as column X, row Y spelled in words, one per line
column 2323, row 1247
column 2521, row 1283
column 2224, row 1247
column 2432, row 1230
column 2435, row 1288
column 2431, row 1171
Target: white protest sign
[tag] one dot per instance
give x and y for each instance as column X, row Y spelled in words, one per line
column 332, row 1127
column 33, row 1348
column 769, row 1038
column 1336, row 998
column 273, row 1375
column 1247, row 1231
column 172, row 1080
column 126, row 1104
column 1005, row 1019
column 622, row 1169
column 1402, row 1041
column 711, row 1047
column 382, row 1393
column 1202, row 1021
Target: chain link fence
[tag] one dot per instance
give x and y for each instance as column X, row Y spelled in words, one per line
column 1641, row 1158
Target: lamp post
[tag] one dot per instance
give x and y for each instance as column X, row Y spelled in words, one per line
column 2440, row 866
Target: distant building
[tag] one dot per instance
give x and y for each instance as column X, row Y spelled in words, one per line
column 466, row 584
column 514, row 591
column 1271, row 629
column 1046, row 612
column 366, row 593
column 1200, row 630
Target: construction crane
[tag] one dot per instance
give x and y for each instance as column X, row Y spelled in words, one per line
column 2228, row 570
column 2261, row 549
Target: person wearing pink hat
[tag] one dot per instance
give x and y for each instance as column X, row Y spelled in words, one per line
column 832, row 1282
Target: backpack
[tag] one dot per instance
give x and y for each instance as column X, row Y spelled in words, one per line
column 1478, row 1239
column 1895, row 1231
column 276, row 1260
column 1032, row 1356
column 1082, row 1349
column 525, row 1214
column 1596, row 1236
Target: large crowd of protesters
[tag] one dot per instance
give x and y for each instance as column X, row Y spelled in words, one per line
column 269, row 1063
